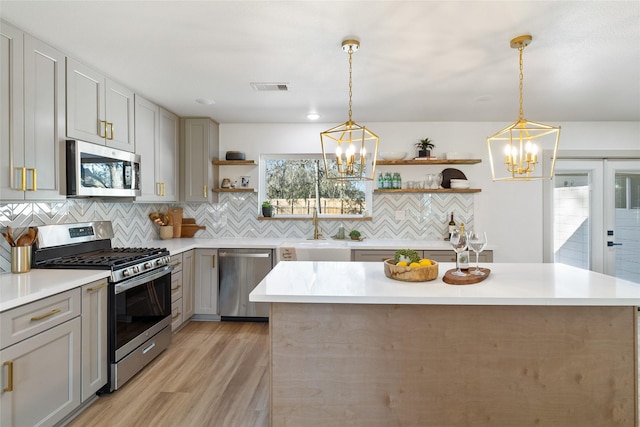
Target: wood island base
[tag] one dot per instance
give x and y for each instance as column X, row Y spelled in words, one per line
column 453, row 365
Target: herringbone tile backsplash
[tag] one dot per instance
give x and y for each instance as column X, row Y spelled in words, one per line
column 236, row 215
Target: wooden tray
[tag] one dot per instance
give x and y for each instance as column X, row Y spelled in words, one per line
column 469, row 279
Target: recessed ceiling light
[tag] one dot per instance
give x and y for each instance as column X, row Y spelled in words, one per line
column 313, row 116
column 205, row 101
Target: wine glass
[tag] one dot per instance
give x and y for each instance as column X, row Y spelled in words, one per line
column 459, row 243
column 429, row 180
column 477, row 242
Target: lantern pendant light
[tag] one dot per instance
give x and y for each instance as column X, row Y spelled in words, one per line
column 524, row 143
column 349, row 150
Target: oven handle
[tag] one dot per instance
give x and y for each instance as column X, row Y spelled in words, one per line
column 142, row 279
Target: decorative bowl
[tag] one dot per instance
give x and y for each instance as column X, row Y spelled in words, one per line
column 392, row 155
column 410, row 274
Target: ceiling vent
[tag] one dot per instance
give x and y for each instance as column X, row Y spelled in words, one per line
column 270, row 87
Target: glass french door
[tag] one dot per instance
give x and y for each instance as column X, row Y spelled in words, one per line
column 622, row 219
column 594, row 217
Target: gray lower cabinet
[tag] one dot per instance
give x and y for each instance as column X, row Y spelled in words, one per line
column 188, row 286
column 176, row 292
column 379, row 255
column 41, row 361
column 374, row 255
column 94, row 337
column 182, row 289
column 206, row 279
column 450, row 256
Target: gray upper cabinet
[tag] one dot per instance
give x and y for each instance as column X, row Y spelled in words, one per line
column 200, row 147
column 31, row 118
column 99, row 110
column 156, row 131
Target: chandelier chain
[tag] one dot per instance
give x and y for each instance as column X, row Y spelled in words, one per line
column 520, row 49
column 350, row 82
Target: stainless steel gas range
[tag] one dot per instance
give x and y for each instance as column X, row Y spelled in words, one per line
column 139, row 303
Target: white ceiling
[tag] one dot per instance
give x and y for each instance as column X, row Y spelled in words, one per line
column 418, row 61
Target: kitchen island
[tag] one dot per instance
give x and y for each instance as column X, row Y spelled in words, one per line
column 533, row 344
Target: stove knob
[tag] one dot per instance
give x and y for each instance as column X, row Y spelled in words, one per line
column 126, row 273
column 148, row 265
column 136, row 269
column 159, row 262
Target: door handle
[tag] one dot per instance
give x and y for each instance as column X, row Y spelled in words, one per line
column 44, row 316
column 102, row 125
column 9, row 366
column 23, row 176
column 34, row 186
column 610, row 243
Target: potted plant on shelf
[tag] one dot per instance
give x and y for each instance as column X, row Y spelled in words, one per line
column 267, row 209
column 424, row 147
column 354, row 234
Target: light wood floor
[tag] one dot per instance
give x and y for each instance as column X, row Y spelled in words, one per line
column 213, row 374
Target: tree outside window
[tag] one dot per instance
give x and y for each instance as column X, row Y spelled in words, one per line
column 296, row 185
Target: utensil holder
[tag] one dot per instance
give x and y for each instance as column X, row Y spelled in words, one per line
column 166, row 232
column 20, row 259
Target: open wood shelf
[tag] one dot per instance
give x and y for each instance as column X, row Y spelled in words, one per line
column 235, row 162
column 431, row 190
column 428, row 162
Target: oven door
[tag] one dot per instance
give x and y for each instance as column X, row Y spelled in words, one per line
column 141, row 309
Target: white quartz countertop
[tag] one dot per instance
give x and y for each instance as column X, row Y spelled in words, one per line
column 508, row 284
column 23, row 288
column 184, row 244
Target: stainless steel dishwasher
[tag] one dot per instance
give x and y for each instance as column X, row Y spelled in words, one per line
column 240, row 270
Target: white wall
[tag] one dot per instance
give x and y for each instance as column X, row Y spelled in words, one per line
column 510, row 212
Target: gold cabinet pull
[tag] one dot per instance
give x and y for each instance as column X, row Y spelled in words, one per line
column 176, row 288
column 34, row 187
column 204, row 193
column 44, row 316
column 102, row 126
column 97, row 287
column 9, row 386
column 175, row 264
column 162, row 187
column 111, row 129
column 23, row 176
column 176, row 316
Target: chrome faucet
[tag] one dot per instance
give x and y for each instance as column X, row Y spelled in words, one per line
column 317, row 235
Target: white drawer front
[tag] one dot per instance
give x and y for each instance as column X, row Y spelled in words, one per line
column 27, row 320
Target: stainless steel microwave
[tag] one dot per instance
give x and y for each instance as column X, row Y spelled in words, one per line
column 99, row 171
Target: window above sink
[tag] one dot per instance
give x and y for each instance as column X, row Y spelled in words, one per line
column 295, row 184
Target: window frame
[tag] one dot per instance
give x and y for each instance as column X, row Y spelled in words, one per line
column 262, row 189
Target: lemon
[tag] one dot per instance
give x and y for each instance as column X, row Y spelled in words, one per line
column 414, row 264
column 402, row 264
column 424, row 262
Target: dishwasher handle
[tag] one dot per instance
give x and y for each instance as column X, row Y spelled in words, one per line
column 235, row 255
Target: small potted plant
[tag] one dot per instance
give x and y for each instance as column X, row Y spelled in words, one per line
column 354, row 234
column 424, row 147
column 267, row 209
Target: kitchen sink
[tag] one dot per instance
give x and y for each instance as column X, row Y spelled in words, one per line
column 318, row 250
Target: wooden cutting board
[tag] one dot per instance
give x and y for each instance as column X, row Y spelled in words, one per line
column 469, row 279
